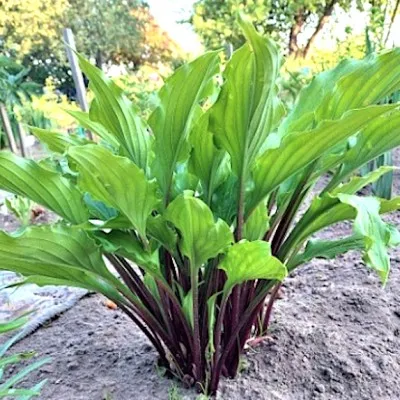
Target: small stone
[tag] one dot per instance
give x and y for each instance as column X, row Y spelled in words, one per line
column 327, row 373
column 320, row 388
column 72, row 366
column 147, row 348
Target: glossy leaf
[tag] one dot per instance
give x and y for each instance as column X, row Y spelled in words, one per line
column 376, row 234
column 97, row 128
column 380, row 135
column 246, row 261
column 116, row 113
column 247, row 109
column 257, row 224
column 352, row 84
column 300, row 149
column 116, row 181
column 201, row 237
column 57, row 254
column 179, row 108
column 327, row 249
column 26, row 178
column 57, row 142
column 206, row 161
column 356, row 183
column 127, row 245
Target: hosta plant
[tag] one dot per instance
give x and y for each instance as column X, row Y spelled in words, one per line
column 201, row 211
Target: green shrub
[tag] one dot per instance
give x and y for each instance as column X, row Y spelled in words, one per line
column 197, row 209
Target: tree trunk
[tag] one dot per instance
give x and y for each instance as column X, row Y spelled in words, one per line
column 99, row 59
column 396, row 8
column 321, row 23
column 294, row 33
column 7, row 129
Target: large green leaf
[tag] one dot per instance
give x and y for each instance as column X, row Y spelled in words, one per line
column 328, row 210
column 48, row 188
column 116, row 181
column 356, row 183
column 246, row 261
column 58, row 142
column 300, row 149
column 117, row 114
column 172, row 121
column 352, row 84
column 159, row 229
column 97, row 128
column 327, row 249
column 257, row 224
column 376, row 233
column 201, row 237
column 127, row 245
column 59, row 255
column 247, row 109
column 206, row 161
column 380, row 135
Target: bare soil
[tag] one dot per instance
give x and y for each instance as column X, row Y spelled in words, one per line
column 335, row 335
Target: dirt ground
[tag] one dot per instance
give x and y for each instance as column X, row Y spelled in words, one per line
column 336, row 335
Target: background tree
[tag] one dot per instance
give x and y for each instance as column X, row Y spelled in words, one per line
column 114, row 31
column 295, row 24
column 30, row 31
column 105, row 29
column 109, row 31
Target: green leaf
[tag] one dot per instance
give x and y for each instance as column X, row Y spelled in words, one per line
column 327, row 249
column 26, row 178
column 383, row 187
column 247, row 261
column 172, row 121
column 201, row 237
column 58, row 253
column 12, row 325
column 158, row 228
column 206, row 161
column 356, row 183
column 127, row 245
column 376, row 234
column 116, row 113
column 97, row 128
column 257, row 224
column 352, row 84
column 19, row 376
column 58, row 142
column 247, row 109
column 300, row 149
column 380, row 135
column 327, row 209
column 99, row 210
column 117, row 182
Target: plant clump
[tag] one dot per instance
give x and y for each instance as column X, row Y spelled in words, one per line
column 197, row 208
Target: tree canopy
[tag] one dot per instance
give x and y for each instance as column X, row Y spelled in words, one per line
column 109, row 31
column 285, row 20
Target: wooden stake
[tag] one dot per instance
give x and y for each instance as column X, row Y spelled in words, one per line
column 76, row 72
column 7, row 128
column 22, row 135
